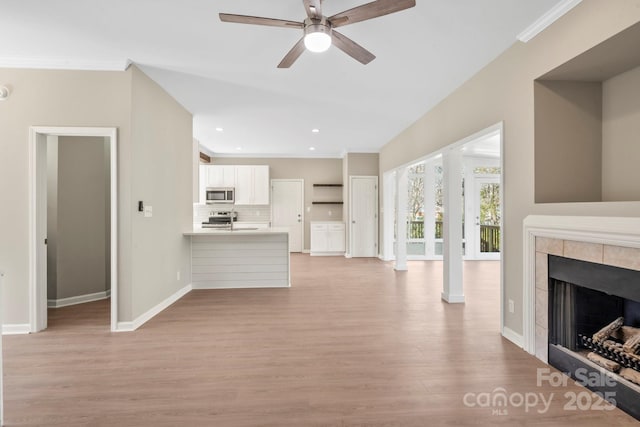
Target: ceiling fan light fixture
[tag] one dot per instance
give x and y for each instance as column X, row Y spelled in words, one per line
column 317, row 38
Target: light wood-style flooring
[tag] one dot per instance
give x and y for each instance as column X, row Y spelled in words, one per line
column 352, row 343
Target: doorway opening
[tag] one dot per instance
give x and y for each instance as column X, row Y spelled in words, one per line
column 465, row 178
column 60, row 201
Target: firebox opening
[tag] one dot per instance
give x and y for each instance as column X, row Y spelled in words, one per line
column 594, row 324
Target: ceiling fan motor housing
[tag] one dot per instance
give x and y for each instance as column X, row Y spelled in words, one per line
column 317, row 26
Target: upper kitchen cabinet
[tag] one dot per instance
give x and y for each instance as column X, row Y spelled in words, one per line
column 252, row 185
column 221, row 176
column 215, row 176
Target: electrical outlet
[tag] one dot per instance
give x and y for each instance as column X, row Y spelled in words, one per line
column 178, row 275
column 512, row 306
column 148, row 211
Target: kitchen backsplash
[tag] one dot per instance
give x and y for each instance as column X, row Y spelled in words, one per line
column 245, row 213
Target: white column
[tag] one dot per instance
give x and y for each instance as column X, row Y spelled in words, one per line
column 429, row 209
column 388, row 215
column 452, row 289
column 402, row 196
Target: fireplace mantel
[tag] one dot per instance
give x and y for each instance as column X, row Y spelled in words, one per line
column 574, row 234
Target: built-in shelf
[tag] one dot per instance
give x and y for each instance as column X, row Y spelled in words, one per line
column 327, row 194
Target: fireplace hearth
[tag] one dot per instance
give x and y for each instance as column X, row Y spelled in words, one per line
column 593, row 311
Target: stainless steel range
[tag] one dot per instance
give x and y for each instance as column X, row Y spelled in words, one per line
column 222, row 219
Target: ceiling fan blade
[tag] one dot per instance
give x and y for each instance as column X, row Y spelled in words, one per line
column 370, row 10
column 352, row 48
column 314, row 8
column 256, row 20
column 293, row 55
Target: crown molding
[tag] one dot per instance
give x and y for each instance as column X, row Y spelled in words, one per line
column 65, row 64
column 547, row 19
column 278, row 156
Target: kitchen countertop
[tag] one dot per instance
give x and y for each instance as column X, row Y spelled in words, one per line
column 200, row 231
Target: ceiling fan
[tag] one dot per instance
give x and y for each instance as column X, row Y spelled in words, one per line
column 319, row 30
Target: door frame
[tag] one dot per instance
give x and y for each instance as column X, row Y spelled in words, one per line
column 37, row 218
column 302, row 223
column 377, row 208
column 477, row 182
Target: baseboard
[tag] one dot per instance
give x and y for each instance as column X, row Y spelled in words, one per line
column 512, row 336
column 306, row 251
column 453, row 299
column 347, row 255
column 328, row 254
column 144, row 318
column 382, row 258
column 209, row 286
column 80, row 299
column 16, row 329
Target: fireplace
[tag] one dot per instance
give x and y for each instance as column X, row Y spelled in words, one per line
column 609, row 241
column 593, row 310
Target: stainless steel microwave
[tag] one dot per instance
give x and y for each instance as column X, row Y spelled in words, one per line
column 220, row 195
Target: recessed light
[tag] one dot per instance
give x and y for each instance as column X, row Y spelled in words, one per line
column 315, row 130
column 312, row 148
column 219, row 130
column 239, row 148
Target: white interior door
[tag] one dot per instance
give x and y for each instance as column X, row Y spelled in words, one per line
column 363, row 208
column 287, row 209
column 487, row 194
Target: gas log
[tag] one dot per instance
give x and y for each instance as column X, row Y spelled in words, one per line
column 620, row 342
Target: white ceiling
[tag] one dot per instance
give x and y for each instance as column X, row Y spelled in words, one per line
column 226, row 75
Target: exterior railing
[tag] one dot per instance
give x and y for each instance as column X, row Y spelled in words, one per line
column 489, row 238
column 489, row 234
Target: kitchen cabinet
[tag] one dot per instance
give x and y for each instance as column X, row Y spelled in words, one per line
column 221, row 176
column 215, row 176
column 252, row 185
column 327, row 238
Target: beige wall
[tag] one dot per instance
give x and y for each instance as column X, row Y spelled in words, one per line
column 621, row 137
column 52, row 217
column 568, row 141
column 503, row 91
column 161, row 130
column 55, row 98
column 82, row 258
column 313, row 171
column 154, row 165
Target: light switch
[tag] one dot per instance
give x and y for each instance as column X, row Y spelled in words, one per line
column 148, row 211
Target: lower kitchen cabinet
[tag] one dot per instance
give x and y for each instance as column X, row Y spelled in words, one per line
column 327, row 238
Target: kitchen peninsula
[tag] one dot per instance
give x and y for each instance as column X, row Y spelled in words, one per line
column 239, row 258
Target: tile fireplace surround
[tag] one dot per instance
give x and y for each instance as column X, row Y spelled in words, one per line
column 604, row 240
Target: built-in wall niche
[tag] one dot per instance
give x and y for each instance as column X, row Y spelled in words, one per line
column 587, row 125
